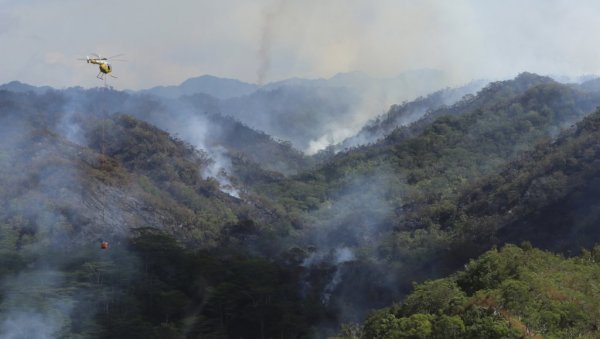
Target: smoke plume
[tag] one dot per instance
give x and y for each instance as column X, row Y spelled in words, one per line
column 270, row 15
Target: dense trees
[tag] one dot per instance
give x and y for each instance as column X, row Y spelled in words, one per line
column 438, row 154
column 204, row 295
column 152, row 287
column 409, row 206
column 511, row 293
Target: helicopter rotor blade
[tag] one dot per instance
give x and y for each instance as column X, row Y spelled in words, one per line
column 95, row 55
column 116, row 56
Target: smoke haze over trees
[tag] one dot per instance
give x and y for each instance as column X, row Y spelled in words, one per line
column 300, row 169
column 216, row 229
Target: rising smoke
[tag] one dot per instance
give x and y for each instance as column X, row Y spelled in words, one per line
column 182, row 120
column 33, row 307
column 270, row 15
column 344, row 228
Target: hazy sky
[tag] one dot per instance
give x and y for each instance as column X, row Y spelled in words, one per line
column 166, row 42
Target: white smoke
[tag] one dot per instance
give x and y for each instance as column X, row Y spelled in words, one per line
column 34, row 306
column 194, row 129
column 340, row 256
column 28, row 325
column 219, row 169
column 336, row 257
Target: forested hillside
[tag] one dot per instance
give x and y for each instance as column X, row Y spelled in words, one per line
column 219, row 231
column 204, row 128
column 385, row 202
column 124, row 174
column 179, row 247
column 438, row 155
column 547, row 197
column 514, row 292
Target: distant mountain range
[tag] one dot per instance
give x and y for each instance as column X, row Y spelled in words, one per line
column 310, row 113
column 19, row 87
column 220, row 88
column 346, row 110
column 416, row 82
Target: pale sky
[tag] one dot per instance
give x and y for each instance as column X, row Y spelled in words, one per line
column 166, row 42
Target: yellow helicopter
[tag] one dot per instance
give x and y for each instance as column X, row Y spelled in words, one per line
column 105, row 68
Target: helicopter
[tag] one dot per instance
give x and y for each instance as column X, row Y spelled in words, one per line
column 105, row 68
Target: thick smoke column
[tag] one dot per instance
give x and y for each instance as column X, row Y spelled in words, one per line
column 266, row 37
